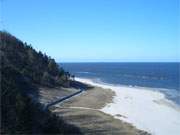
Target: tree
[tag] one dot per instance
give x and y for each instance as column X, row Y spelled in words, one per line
column 47, row 80
column 73, row 77
column 52, row 67
column 20, row 114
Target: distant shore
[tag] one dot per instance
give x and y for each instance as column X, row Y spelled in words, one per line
column 145, row 109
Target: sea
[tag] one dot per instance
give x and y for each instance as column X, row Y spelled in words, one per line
column 163, row 77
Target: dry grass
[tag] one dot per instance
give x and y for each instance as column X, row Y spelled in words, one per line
column 83, row 112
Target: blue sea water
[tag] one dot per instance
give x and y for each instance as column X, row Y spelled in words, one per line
column 163, row 76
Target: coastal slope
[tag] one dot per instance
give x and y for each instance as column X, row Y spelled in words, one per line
column 22, row 71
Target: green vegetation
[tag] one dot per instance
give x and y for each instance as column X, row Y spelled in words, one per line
column 35, row 66
column 22, row 69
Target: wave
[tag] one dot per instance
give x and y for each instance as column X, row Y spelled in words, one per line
column 85, row 72
column 145, row 77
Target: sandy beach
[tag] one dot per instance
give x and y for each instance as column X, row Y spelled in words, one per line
column 145, row 109
column 108, row 109
column 84, row 111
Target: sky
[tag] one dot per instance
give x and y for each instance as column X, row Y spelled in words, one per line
column 97, row 30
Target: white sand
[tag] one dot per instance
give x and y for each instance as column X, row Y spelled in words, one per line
column 145, row 109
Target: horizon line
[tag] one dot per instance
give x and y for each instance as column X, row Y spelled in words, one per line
column 119, row 62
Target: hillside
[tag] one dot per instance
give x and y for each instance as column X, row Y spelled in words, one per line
column 35, row 66
column 22, row 70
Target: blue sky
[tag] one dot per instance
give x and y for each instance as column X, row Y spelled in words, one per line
column 97, row 30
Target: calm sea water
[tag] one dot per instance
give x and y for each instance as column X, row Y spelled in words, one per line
column 157, row 75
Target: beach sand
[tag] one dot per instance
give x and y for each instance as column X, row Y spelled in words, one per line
column 145, row 108
column 84, row 111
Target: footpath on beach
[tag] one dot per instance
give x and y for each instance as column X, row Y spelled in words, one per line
column 62, row 99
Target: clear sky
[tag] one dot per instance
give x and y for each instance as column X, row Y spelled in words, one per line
column 97, row 30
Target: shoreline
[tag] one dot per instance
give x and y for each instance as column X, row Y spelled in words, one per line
column 84, row 111
column 146, row 109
